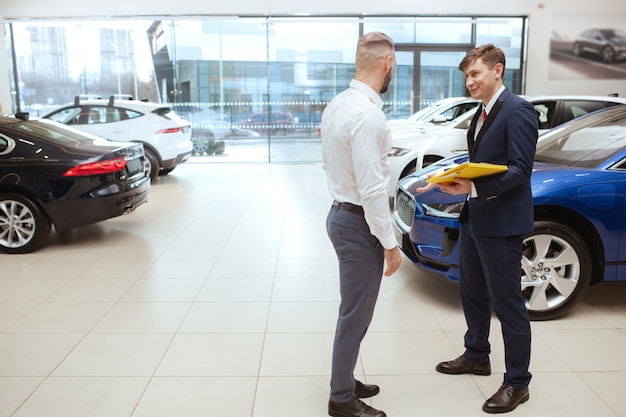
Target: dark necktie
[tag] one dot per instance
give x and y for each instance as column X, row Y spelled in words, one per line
column 484, row 114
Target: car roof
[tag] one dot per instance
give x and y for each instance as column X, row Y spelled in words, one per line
column 6, row 119
column 453, row 100
column 614, row 99
column 145, row 106
column 580, row 122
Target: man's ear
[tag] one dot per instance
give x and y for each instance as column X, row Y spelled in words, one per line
column 387, row 62
column 498, row 68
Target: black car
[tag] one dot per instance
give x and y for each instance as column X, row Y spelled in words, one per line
column 608, row 44
column 51, row 175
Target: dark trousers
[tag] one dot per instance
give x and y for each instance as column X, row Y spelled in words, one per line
column 490, row 279
column 361, row 259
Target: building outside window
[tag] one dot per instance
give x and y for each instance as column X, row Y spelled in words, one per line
column 258, row 84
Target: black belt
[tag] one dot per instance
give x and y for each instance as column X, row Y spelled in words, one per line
column 352, row 208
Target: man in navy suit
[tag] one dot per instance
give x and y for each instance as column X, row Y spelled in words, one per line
column 496, row 216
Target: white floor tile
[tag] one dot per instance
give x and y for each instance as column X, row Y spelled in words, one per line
column 61, row 318
column 302, row 317
column 143, row 318
column 236, row 289
column 234, row 317
column 115, row 354
column 34, row 354
column 288, row 396
column 297, row 354
column 220, row 298
column 12, row 312
column 14, row 391
column 213, row 355
column 164, row 290
column 88, row 396
column 198, row 397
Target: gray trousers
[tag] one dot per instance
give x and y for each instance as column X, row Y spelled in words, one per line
column 361, row 261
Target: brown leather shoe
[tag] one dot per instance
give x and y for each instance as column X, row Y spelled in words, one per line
column 506, row 399
column 354, row 408
column 461, row 365
column 362, row 390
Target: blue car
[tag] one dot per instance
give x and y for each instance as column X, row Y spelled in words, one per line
column 579, row 193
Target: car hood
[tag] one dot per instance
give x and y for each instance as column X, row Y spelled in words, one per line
column 546, row 178
column 421, row 137
column 617, row 40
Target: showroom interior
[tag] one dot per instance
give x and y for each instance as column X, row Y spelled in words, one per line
column 219, row 295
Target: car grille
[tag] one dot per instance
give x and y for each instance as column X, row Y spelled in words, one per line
column 405, row 207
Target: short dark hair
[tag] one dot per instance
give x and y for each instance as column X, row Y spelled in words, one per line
column 489, row 53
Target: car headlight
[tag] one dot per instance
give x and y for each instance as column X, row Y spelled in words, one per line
column 398, row 152
column 452, row 211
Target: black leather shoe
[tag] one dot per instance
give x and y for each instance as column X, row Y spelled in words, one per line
column 506, row 399
column 354, row 408
column 461, row 365
column 362, row 390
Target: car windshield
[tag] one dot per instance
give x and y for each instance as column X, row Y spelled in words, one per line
column 613, row 33
column 424, row 113
column 586, row 147
column 51, row 131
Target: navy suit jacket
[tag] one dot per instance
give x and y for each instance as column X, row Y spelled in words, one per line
column 504, row 205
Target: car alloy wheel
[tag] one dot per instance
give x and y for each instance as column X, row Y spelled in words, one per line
column 152, row 162
column 24, row 227
column 200, row 145
column 556, row 270
column 608, row 54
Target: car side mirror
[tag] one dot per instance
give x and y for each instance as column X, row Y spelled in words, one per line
column 440, row 118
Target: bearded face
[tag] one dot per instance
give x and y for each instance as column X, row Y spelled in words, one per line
column 387, row 79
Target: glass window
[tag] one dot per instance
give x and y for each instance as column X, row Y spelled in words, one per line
column 422, row 30
column 219, row 73
column 545, row 111
column 6, row 145
column 68, row 116
column 576, row 108
column 586, row 147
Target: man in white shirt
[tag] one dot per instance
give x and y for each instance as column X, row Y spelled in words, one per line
column 355, row 142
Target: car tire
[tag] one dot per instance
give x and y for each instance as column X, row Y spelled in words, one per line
column 608, row 54
column 153, row 163
column 165, row 171
column 200, row 140
column 24, row 226
column 556, row 270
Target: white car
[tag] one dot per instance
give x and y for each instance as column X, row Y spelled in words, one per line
column 440, row 112
column 417, row 147
column 165, row 136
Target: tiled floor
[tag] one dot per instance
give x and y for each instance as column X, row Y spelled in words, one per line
column 218, row 298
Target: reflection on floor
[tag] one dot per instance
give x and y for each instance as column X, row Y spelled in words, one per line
column 219, row 298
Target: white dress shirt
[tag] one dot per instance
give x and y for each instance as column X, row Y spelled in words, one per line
column 355, row 142
column 479, row 125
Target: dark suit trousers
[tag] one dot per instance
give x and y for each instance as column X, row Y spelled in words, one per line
column 361, row 259
column 490, row 279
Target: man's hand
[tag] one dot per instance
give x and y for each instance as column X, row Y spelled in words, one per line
column 430, row 185
column 393, row 257
column 459, row 186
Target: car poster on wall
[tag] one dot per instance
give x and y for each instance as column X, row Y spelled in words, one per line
column 588, row 46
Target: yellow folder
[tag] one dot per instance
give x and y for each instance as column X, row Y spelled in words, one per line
column 467, row 170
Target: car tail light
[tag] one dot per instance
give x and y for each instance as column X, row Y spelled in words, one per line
column 97, row 168
column 170, row 130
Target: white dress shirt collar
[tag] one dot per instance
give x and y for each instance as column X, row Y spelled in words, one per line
column 368, row 91
column 493, row 99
